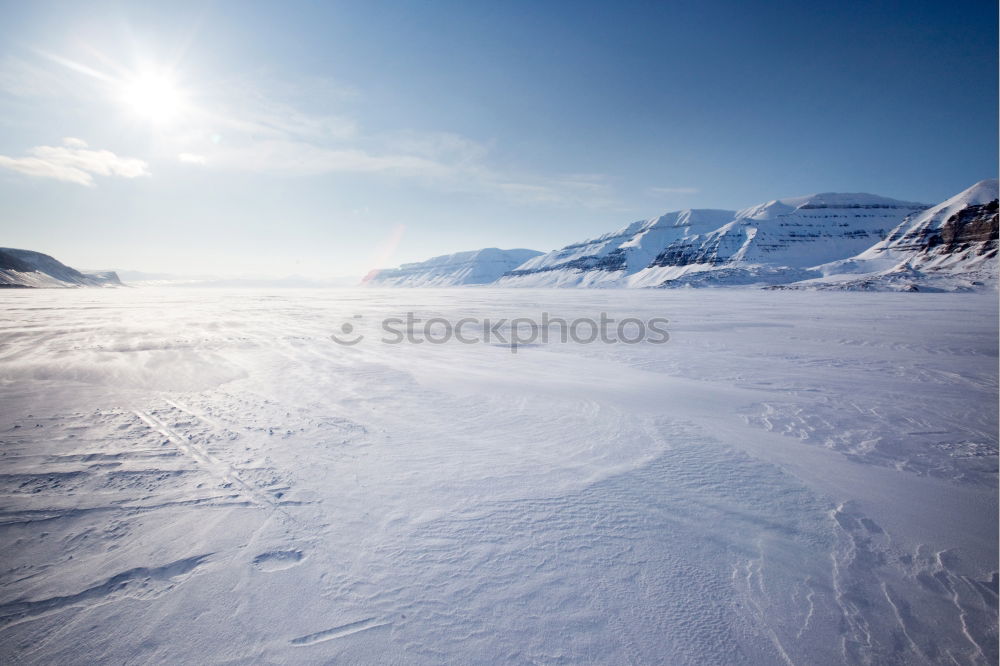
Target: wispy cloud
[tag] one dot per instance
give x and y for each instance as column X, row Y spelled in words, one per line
column 21, row 78
column 291, row 126
column 587, row 190
column 301, row 158
column 672, row 190
column 74, row 162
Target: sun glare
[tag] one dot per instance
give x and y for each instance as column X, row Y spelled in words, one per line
column 153, row 96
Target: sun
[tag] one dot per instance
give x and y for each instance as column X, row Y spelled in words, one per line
column 153, row 96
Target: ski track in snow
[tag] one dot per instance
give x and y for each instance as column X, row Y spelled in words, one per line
column 204, row 476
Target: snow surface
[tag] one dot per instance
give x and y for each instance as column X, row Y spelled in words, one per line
column 203, row 476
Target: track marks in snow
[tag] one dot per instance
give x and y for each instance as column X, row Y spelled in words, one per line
column 69, row 465
column 198, row 415
column 217, row 467
column 338, row 632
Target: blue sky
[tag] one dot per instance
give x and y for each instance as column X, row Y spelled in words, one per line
column 325, row 139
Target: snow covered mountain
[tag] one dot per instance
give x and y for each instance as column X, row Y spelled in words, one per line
column 826, row 241
column 450, row 270
column 25, row 268
column 607, row 261
column 775, row 242
column 950, row 246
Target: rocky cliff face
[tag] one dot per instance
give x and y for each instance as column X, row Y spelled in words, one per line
column 971, row 232
column 950, row 246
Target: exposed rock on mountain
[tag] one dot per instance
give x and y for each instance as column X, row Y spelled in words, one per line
column 951, row 246
column 26, row 268
column 775, row 242
column 608, row 260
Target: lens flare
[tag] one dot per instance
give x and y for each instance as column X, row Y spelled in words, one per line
column 153, row 96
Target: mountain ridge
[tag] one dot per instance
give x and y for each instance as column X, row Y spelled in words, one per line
column 950, row 246
column 28, row 268
column 795, row 233
column 827, row 240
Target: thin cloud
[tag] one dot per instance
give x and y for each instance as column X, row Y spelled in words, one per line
column 191, row 158
column 292, row 127
column 301, row 158
column 673, row 190
column 73, row 162
column 269, row 127
column 20, row 78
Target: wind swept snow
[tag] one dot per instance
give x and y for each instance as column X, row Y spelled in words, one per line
column 206, row 476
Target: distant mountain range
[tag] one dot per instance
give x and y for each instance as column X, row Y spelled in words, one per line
column 820, row 241
column 26, row 268
column 823, row 241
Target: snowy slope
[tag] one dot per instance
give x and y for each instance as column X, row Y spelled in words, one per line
column 462, row 268
column 774, row 242
column 26, row 268
column 609, row 260
column 950, row 246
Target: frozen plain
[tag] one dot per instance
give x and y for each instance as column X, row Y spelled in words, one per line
column 198, row 476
